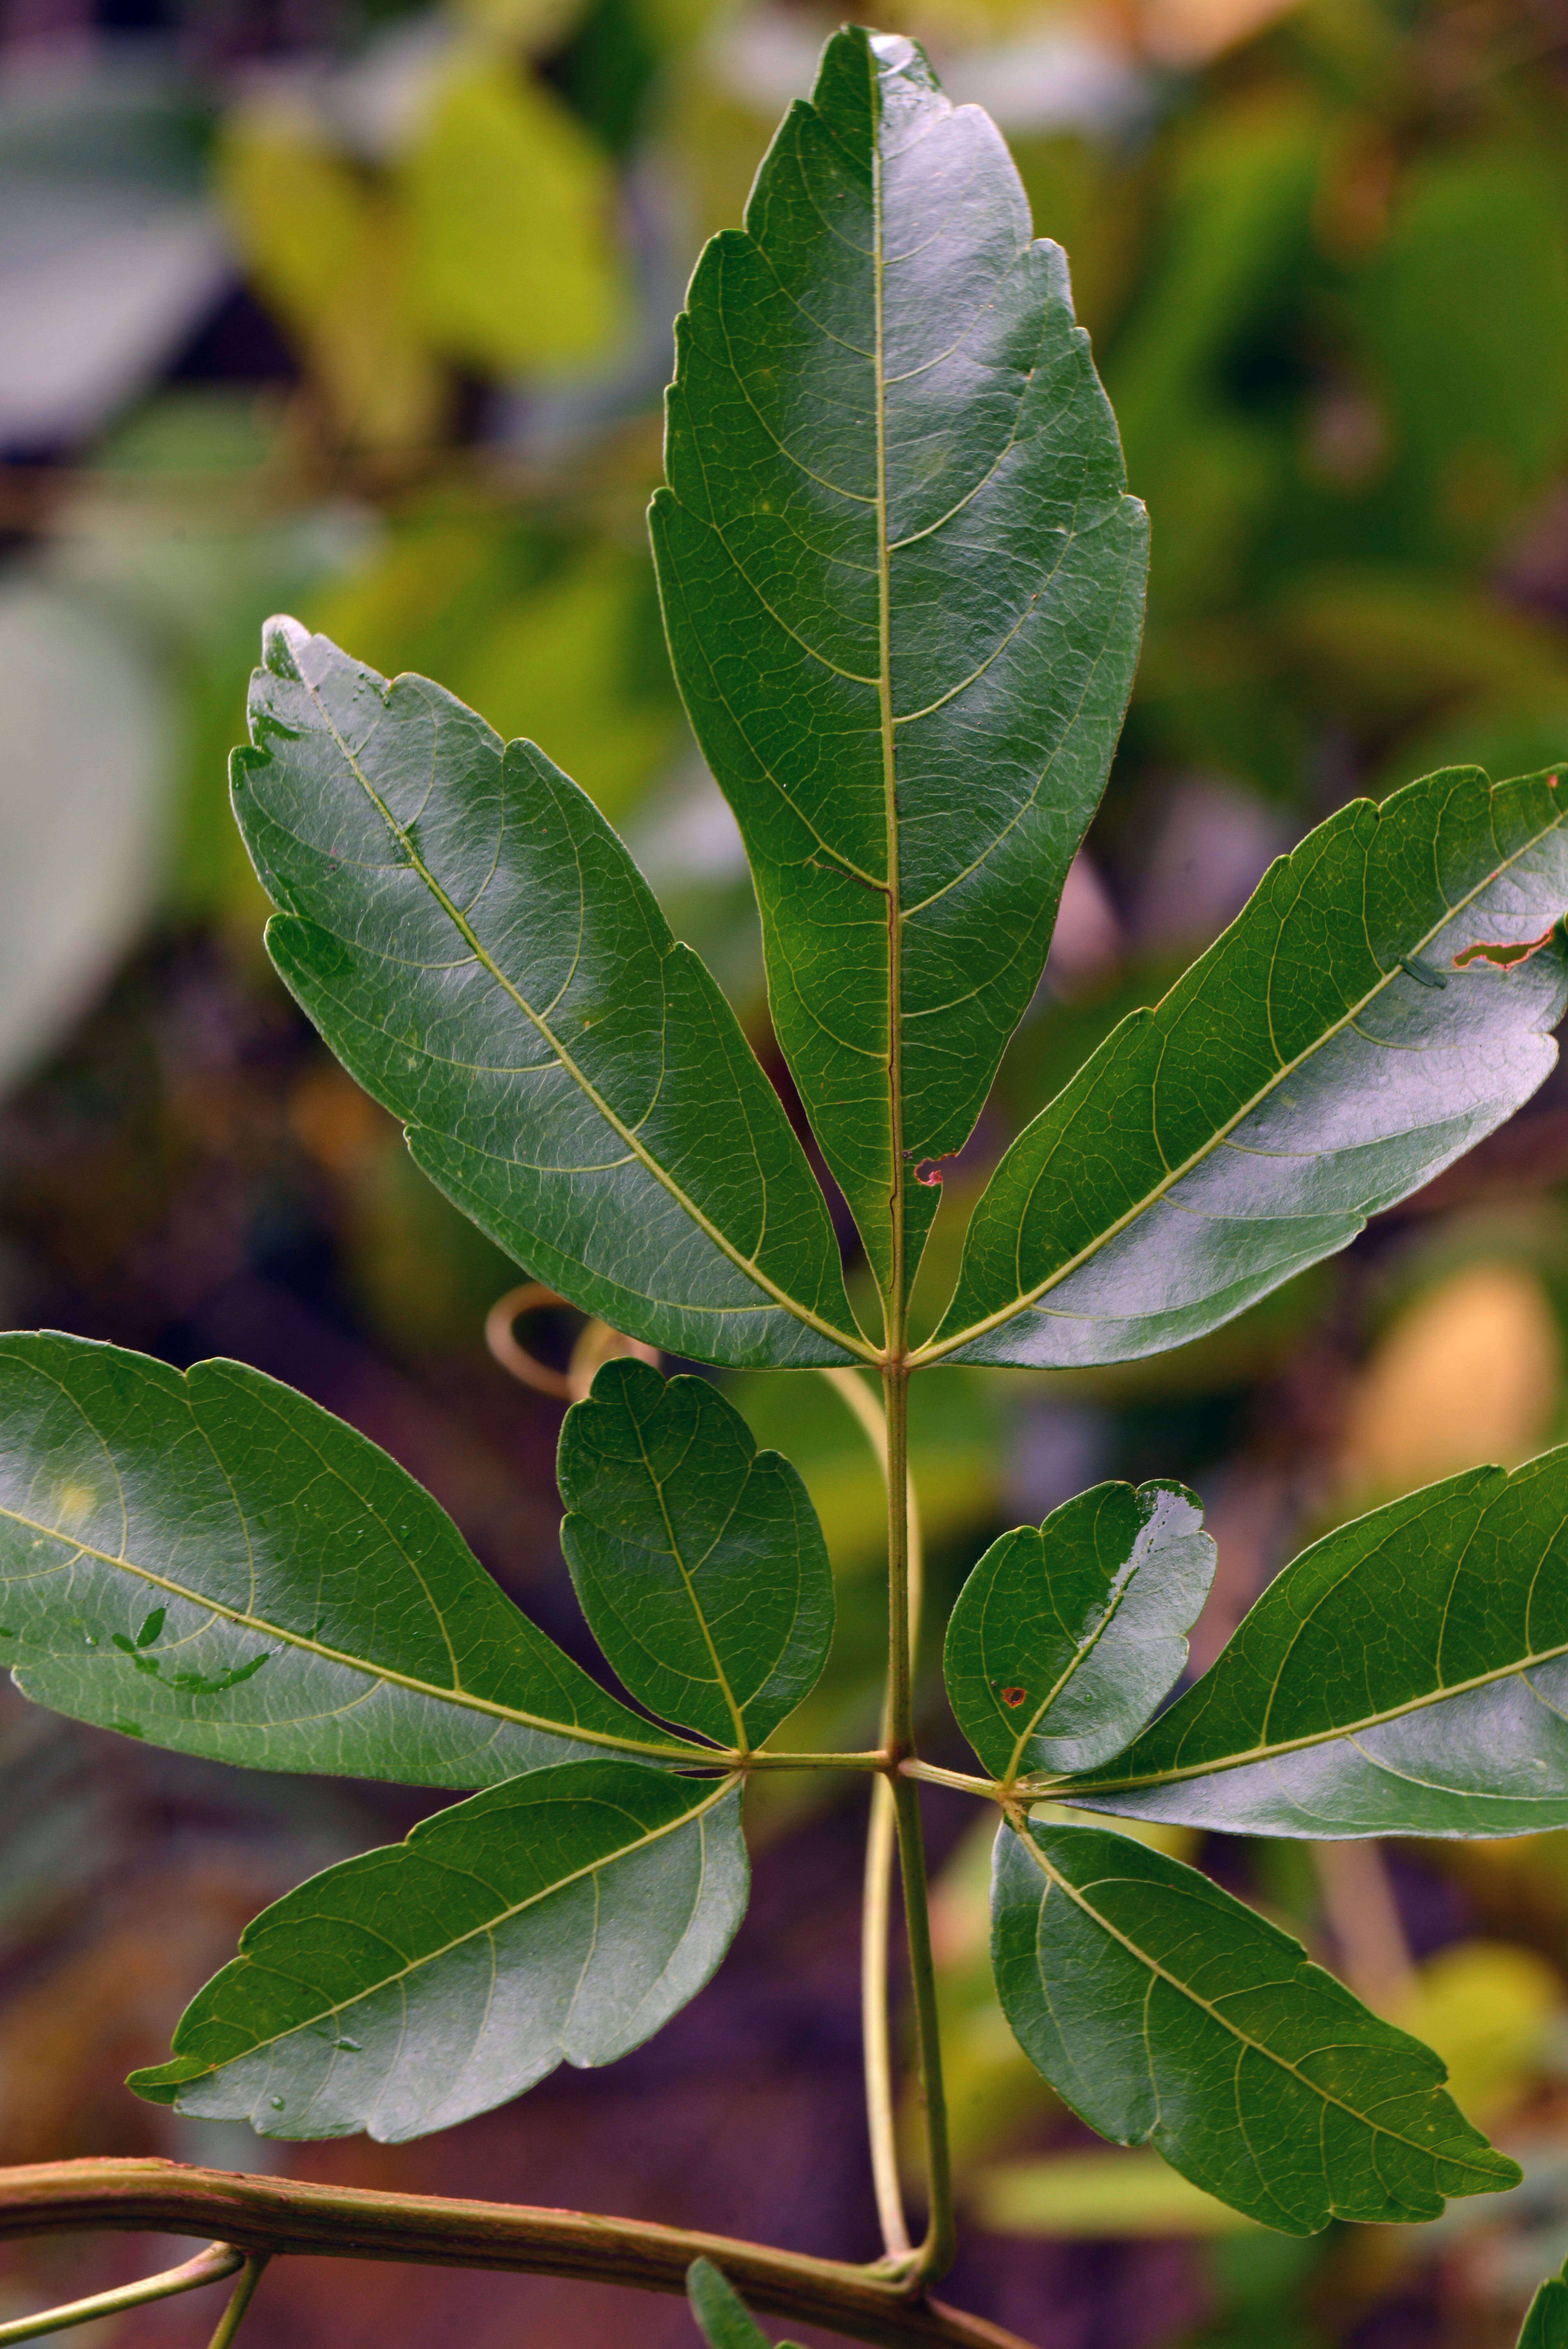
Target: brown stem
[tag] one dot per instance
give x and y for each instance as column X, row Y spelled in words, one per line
column 273, row 2215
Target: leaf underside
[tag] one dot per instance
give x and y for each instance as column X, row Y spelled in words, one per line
column 1305, row 1073
column 209, row 1561
column 698, row 1560
column 1165, row 2013
column 477, row 948
column 903, row 584
column 1405, row 1675
column 563, row 1916
column 1068, row 1635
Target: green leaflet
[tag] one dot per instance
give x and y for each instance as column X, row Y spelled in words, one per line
column 1321, row 1061
column 1164, row 2012
column 563, row 1916
column 212, row 1562
column 722, row 2316
column 476, row 946
column 1547, row 2319
column 903, row 589
column 698, row 1560
column 1405, row 1675
column 1065, row 1636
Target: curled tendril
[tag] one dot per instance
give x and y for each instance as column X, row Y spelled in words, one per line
column 596, row 1343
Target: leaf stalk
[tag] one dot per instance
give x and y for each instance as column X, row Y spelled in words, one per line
column 240, row 2299
column 211, row 2266
column 936, row 2252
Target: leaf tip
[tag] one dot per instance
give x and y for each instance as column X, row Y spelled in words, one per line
column 282, row 639
column 160, row 2083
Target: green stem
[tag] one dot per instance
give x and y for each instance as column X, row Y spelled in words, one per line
column 219, row 2260
column 900, row 1724
column 275, row 2215
column 932, row 1774
column 936, row 2253
column 876, row 1904
column 935, row 2256
column 881, row 2112
column 245, row 2291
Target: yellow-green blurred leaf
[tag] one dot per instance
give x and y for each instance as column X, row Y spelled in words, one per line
column 325, row 252
column 561, row 665
column 536, row 25
column 1489, row 2011
column 1131, row 2193
column 562, row 659
column 510, row 206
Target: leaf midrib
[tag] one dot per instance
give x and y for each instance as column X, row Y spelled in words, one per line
column 502, row 1917
column 742, row 1262
column 1204, row 2006
column 1082, row 1650
column 1350, row 1729
column 461, row 1698
column 895, row 1310
column 935, row 1348
column 737, row 1718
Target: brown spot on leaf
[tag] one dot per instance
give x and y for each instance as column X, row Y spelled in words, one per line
column 1507, row 956
column 1013, row 1697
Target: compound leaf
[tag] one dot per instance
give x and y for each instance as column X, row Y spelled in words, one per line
column 1323, row 1058
column 476, row 946
column 208, row 1561
column 566, row 1915
column 1067, row 1634
column 722, row 2316
column 698, row 1560
column 1405, row 1675
column 903, row 588
column 1164, row 2012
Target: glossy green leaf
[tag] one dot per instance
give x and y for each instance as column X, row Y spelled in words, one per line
column 479, row 950
column 1067, row 1634
column 1547, row 2319
column 1323, row 1059
column 722, row 2316
column 1405, row 1675
column 563, row 1916
column 903, row 588
column 208, row 1561
column 1165, row 2012
column 698, row 1560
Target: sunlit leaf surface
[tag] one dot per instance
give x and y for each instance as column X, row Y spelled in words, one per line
column 1067, row 1634
column 903, row 588
column 699, row 1560
column 1165, row 2012
column 563, row 1917
column 1322, row 1058
column 208, row 1561
column 479, row 950
column 1407, row 1675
